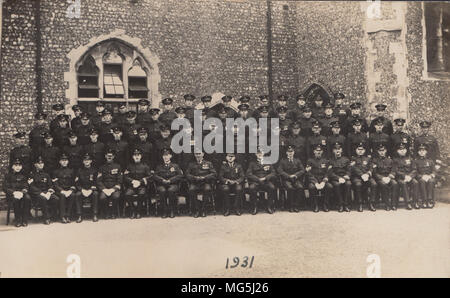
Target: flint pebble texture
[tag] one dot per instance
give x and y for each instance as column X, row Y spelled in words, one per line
column 209, row 46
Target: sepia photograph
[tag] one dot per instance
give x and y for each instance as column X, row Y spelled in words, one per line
column 224, row 143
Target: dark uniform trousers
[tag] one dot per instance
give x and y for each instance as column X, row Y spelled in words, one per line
column 64, row 180
column 383, row 167
column 109, row 177
column 87, row 180
column 294, row 186
column 233, row 172
column 408, row 190
column 361, row 165
column 140, row 172
column 168, row 191
column 203, row 184
column 425, row 166
column 257, row 170
column 18, row 182
column 41, row 183
column 340, row 167
column 318, row 173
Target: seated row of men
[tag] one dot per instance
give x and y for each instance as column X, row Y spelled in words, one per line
column 325, row 179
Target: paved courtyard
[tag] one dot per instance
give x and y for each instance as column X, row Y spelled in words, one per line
column 409, row 244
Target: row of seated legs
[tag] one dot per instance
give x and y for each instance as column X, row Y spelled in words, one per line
column 416, row 194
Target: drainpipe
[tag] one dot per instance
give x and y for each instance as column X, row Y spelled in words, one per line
column 269, row 48
column 38, row 65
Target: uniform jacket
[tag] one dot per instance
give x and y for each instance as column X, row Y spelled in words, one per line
column 136, row 171
column 42, row 182
column 87, row 178
column 425, row 166
column 63, row 178
column 288, row 167
column 383, row 167
column 170, row 171
column 340, row 167
column 231, row 172
column 258, row 170
column 205, row 169
column 109, row 175
column 361, row 165
column 15, row 182
column 404, row 166
column 320, row 169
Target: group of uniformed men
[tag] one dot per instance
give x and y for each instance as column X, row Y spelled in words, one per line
column 325, row 148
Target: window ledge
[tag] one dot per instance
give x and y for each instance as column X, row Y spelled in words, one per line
column 436, row 76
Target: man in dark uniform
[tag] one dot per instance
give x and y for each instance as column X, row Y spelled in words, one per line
column 61, row 133
column 130, row 129
column 210, row 113
column 164, row 141
column 105, row 128
column 83, row 131
column 292, row 174
column 399, row 136
column 340, row 178
column 284, row 122
column 168, row 115
column 76, row 121
column 306, row 122
column 181, row 114
column 167, row 177
column 64, row 181
column 36, row 140
column 340, row 111
column 97, row 118
column 146, row 147
column 261, row 177
column 379, row 137
column 317, row 177
column 282, row 101
column 335, row 137
column 316, row 139
column 405, row 174
column 430, row 141
column 22, row 152
column 136, row 177
column 189, row 107
column 362, row 180
column 327, row 120
column 244, row 103
column 109, row 181
column 355, row 109
column 264, row 101
column 59, row 110
column 16, row 189
column 426, row 176
column 318, row 108
column 74, row 151
column 121, row 118
column 355, row 138
column 384, row 175
column 49, row 153
column 297, row 113
column 120, row 148
column 380, row 115
column 86, row 184
column 231, row 178
column 231, row 113
column 201, row 175
column 154, row 125
column 298, row 142
column 96, row 149
column 143, row 116
column 41, row 190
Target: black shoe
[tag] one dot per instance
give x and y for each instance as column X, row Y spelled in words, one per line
column 296, row 210
column 196, row 214
column 346, row 209
column 164, row 214
column 316, row 208
column 63, row 220
column 416, row 205
column 360, row 208
column 394, row 208
column 18, row 224
column 424, row 205
column 430, row 204
column 226, row 213
column 138, row 215
column 408, row 206
column 372, row 207
column 172, row 214
column 67, row 220
column 387, row 208
column 113, row 216
column 132, row 215
column 325, row 208
column 238, row 212
column 95, row 218
column 341, row 209
column 254, row 210
column 47, row 222
column 203, row 213
column 269, row 210
column 79, row 219
column 24, row 223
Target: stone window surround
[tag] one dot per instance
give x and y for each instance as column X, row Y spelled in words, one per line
column 426, row 75
column 149, row 63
